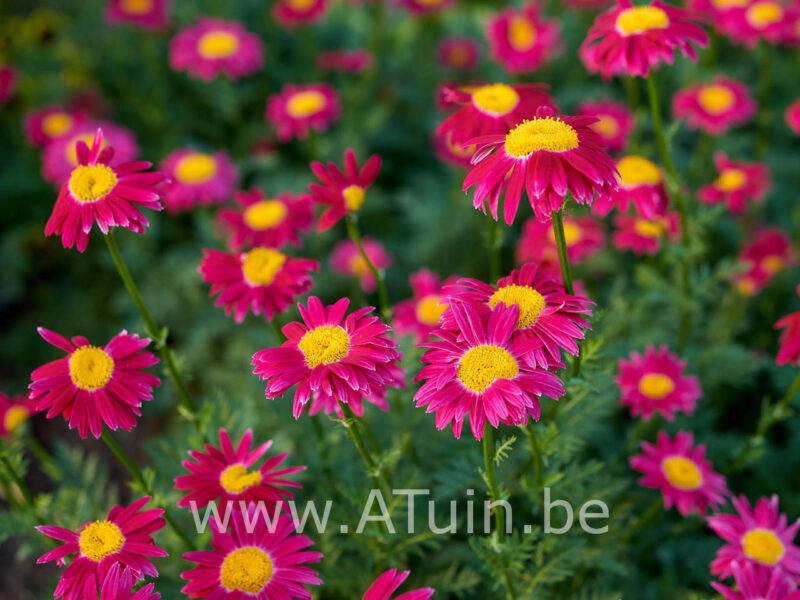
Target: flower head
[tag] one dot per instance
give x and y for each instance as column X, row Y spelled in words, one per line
column 584, row 237
column 262, row 221
column 459, row 53
column 214, row 46
column 737, row 183
column 749, row 22
column 347, row 260
column 421, row 314
column 388, row 582
column 641, row 183
column 296, row 109
column 520, row 39
column 14, row 411
column 644, row 236
column 767, row 254
column 614, row 121
column 714, row 107
column 345, row 61
column 789, row 352
column 197, row 178
column 45, row 125
column 755, row 583
column 147, row 14
column 793, row 117
column 293, row 13
column 8, row 82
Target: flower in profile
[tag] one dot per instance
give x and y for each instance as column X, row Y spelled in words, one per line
column 754, row 583
column 262, row 280
column 548, row 156
column 641, row 183
column 737, row 183
column 197, row 178
column 759, row 536
column 45, row 125
column 521, row 40
column 97, row 192
column 644, row 236
column 8, row 82
column 682, row 473
column 147, row 14
column 388, row 582
column 632, row 40
column 262, row 221
column 768, row 20
column 94, row 385
column 338, row 357
column 345, row 61
column 213, row 46
column 479, row 368
column 768, row 253
column 347, row 260
column 420, row 315
column 14, row 411
column 123, row 538
column 789, row 352
column 714, row 107
column 458, row 53
column 584, row 237
column 342, row 192
column 614, row 121
column 118, row 585
column 792, row 117
column 296, row 109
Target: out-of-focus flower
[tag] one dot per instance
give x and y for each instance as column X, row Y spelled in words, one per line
column 197, row 178
column 14, row 411
column 754, row 583
column 793, row 117
column 711, row 10
column 298, row 108
column 262, row 221
column 293, row 13
column 584, row 237
column 43, row 126
column 425, row 7
column 714, row 107
column 421, row 314
column 213, row 46
column 459, row 53
column 789, row 352
column 768, row 20
column 385, row 585
column 345, row 61
column 737, row 183
column 520, row 39
column 641, row 183
column 768, row 253
column 347, row 260
column 644, row 236
column 8, row 82
column 147, row 14
column 614, row 121
column 451, row 152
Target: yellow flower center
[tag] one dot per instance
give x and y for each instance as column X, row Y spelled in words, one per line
column 305, row 104
column 217, row 44
column 57, row 123
column 92, row 182
column 429, row 310
column 261, row 265
column 682, row 472
column 90, row 367
column 764, row 14
column 246, row 570
column 324, row 344
column 650, row 229
column 762, row 545
column 482, row 365
column 731, row 180
column 540, row 133
column 639, row 19
column 15, row 416
column 353, row 197
column 265, row 214
column 656, row 386
column 729, row 3
column 429, row 2
column 521, row 33
column 136, row 7
column 458, row 55
column 300, row 5
column 99, row 539
column 531, row 303
column 357, row 265
column 195, row 168
column 637, row 170
column 495, row 99
column 88, row 139
column 607, row 126
column 236, row 479
column 746, row 287
column 572, row 233
column 772, row 263
column 715, row 99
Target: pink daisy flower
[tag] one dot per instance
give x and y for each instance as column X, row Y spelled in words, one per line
column 712, row 10
column 298, row 108
column 197, row 178
column 655, row 383
column 614, row 121
column 632, row 40
column 262, row 279
column 548, row 156
column 754, row 583
column 387, row 584
column 424, row 7
column 345, row 61
column 14, row 411
column 752, row 281
column 793, row 117
column 644, row 236
column 147, row 14
column 770, row 251
column 520, row 39
column 342, row 192
column 759, row 536
column 333, row 356
column 682, row 472
column 118, row 585
column 737, row 183
column 641, row 183
column 8, row 82
column 458, row 53
column 347, row 260
column 452, row 153
column 481, row 369
column 261, row 221
column 123, row 538
column 789, row 353
column 770, row 20
column 95, row 385
column 584, row 237
column 293, row 13
column 253, row 560
column 421, row 314
column 43, row 126
column 714, row 107
column 97, row 192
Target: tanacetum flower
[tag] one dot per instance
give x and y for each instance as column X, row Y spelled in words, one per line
column 95, row 385
column 97, row 192
column 331, row 355
column 793, row 117
column 641, row 183
column 262, row 279
column 479, row 368
column 458, row 53
column 421, row 314
column 253, row 560
column 548, row 156
column 769, row 20
column 8, row 82
column 345, row 61
column 347, row 260
column 388, row 582
column 298, row 108
column 292, row 13
column 789, row 352
column 213, row 46
column 754, row 583
column 760, row 536
column 147, row 14
column 737, row 183
column 769, row 252
column 224, row 474
column 197, row 178
column 614, row 121
column 424, row 7
column 123, row 538
column 43, row 126
column 655, row 382
column 584, row 237
column 14, row 411
column 714, row 107
column 682, row 472
column 712, row 10
column 520, row 39
column 118, row 585
column 262, row 221
column 644, row 236
column 632, row 40
column 342, row 192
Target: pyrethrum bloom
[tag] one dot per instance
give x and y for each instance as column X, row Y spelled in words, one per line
column 14, row 411
column 147, row 14
column 584, row 237
column 388, row 582
column 197, row 178
column 520, row 39
column 789, row 352
column 43, row 126
column 682, row 473
column 296, row 109
column 714, row 107
column 737, row 183
column 793, row 117
column 95, row 385
column 644, row 236
column 458, row 53
column 769, row 252
column 262, row 221
column 123, row 538
column 641, row 183
column 292, row 13
column 8, row 82
column 614, row 121
column 768, row 20
column 421, row 314
column 754, row 583
column 347, row 260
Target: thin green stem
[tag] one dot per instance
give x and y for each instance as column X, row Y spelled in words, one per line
column 643, row 519
column 17, row 479
column 493, row 243
column 536, row 454
column 566, row 274
column 491, row 478
column 353, row 232
column 43, row 456
column 352, row 422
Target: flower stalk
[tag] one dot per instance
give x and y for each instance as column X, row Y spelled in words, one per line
column 353, row 232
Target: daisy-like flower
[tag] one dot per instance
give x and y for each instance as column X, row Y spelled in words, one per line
column 548, row 156
column 262, row 221
column 789, row 353
column 451, row 152
column 262, row 279
column 298, row 108
column 714, row 107
column 584, row 237
column 147, row 14
column 520, row 39
column 385, row 585
column 479, row 368
column 347, row 260
column 293, row 13
column 421, row 314
column 760, row 536
column 118, row 585
column 342, row 192
column 769, row 252
column 549, row 319
column 424, row 7
column 123, row 538
column 8, row 82
column 641, row 183
column 632, row 40
column 213, row 46
column 340, row 357
column 644, row 236
column 682, row 472
column 753, row 583
column 712, row 10
column 751, row 281
column 197, row 178
column 769, row 20
column 792, row 117
column 95, row 385
column 225, row 474
column 345, row 61
column 43, row 126
column 655, row 382
column 14, row 411
column 614, row 121
column 253, row 560
column 737, row 183
column 98, row 192
column 458, row 53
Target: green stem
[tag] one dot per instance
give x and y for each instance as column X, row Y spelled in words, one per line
column 566, row 274
column 383, row 295
column 17, row 479
column 643, row 519
column 493, row 242
column 536, row 454
column 43, row 456
column 352, row 422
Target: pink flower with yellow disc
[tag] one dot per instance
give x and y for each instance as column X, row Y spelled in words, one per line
column 789, row 352
column 294, row 13
column 641, row 183
column 521, row 40
column 768, row 20
column 645, row 236
column 297, row 109
column 737, row 183
column 770, row 251
column 14, row 411
column 755, row 583
column 45, row 125
column 346, row 259
column 458, row 53
column 388, row 582
column 147, row 14
column 421, row 314
column 197, row 178
column 614, row 121
column 212, row 47
column 714, row 107
column 584, row 237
